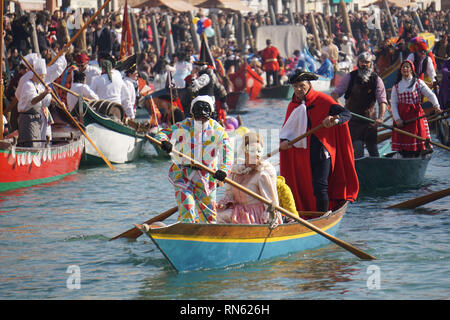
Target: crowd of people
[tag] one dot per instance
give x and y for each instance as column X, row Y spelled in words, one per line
column 88, row 67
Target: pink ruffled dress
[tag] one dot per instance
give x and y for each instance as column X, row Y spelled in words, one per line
column 241, row 208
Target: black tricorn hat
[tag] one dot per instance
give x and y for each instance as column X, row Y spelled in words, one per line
column 127, row 63
column 131, row 69
column 302, row 75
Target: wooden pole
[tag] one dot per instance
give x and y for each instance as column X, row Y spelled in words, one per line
column 134, row 31
column 135, row 233
column 290, row 16
column 217, row 31
column 402, row 132
column 389, row 17
column 322, row 26
column 155, row 33
column 250, row 36
column 417, row 20
column 241, row 32
column 67, row 45
column 416, row 202
column 194, row 34
column 344, row 14
column 272, row 15
column 169, row 36
column 314, row 28
column 34, row 39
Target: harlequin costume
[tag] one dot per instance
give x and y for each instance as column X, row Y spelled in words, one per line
column 208, row 143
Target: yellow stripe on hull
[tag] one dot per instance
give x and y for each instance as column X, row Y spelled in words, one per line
column 231, row 240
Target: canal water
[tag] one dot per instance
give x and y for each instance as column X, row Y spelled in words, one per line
column 54, row 241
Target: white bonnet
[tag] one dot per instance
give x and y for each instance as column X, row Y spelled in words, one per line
column 206, row 99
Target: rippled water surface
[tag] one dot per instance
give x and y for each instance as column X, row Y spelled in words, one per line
column 48, row 228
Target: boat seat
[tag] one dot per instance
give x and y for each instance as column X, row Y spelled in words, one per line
column 64, row 131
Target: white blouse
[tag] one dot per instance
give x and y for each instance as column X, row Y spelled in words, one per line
column 403, row 87
column 82, row 89
column 114, row 90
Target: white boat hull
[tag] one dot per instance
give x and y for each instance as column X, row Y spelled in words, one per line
column 116, row 147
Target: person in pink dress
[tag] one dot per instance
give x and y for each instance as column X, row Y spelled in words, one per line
column 256, row 175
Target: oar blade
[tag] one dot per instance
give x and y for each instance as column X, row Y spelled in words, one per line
column 416, row 202
column 135, row 233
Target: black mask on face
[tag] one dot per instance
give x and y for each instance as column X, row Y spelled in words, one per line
column 201, row 109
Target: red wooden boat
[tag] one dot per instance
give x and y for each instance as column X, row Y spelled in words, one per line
column 23, row 167
column 247, row 80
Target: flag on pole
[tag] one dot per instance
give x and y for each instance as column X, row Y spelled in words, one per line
column 127, row 39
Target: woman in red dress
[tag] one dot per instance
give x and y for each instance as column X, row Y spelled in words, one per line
column 406, row 99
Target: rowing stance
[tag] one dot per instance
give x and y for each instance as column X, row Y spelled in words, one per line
column 205, row 140
column 325, row 157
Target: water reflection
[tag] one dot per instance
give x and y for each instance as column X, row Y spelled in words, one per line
column 288, row 277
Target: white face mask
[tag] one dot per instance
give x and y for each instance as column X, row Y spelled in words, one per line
column 254, row 149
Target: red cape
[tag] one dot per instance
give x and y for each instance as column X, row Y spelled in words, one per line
column 295, row 164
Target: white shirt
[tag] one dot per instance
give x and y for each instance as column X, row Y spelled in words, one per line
column 182, row 70
column 430, row 72
column 403, row 87
column 53, row 72
column 129, row 100
column 81, row 89
column 30, row 90
column 91, row 72
column 109, row 90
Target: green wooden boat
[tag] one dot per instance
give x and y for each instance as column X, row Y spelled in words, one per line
column 390, row 171
column 283, row 91
column 120, row 143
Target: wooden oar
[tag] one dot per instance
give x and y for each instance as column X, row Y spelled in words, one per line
column 310, row 226
column 413, row 203
column 402, row 132
column 70, row 91
column 68, row 113
column 67, row 45
column 386, row 135
column 306, row 134
column 135, row 233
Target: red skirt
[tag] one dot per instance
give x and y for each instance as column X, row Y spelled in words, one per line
column 402, row 142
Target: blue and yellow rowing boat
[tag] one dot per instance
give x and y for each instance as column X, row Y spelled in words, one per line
column 190, row 246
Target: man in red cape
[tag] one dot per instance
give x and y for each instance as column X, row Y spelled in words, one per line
column 322, row 175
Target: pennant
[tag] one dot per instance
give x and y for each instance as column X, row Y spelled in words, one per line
column 127, row 39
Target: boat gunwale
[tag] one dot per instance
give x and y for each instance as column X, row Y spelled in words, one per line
column 234, row 232
column 113, row 125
